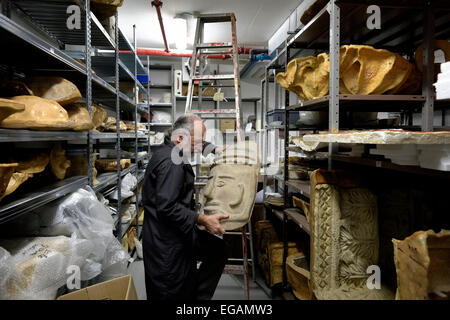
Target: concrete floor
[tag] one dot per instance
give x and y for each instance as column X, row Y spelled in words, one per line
column 229, row 287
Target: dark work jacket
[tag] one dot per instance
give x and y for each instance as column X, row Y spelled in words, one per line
column 169, row 230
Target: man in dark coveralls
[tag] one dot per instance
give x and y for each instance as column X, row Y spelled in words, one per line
column 172, row 243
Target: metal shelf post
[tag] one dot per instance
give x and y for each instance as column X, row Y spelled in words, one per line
column 428, row 70
column 136, row 98
column 335, row 18
column 88, row 61
column 119, row 176
column 286, row 169
column 148, row 105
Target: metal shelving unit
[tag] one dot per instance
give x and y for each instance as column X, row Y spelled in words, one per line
column 166, row 106
column 405, row 26
column 96, row 69
column 11, row 135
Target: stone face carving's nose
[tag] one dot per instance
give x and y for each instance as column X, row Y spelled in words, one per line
column 209, row 189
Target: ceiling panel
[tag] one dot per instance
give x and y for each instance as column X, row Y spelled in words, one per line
column 257, row 20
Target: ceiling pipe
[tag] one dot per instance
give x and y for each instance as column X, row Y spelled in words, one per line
column 158, row 4
column 157, row 52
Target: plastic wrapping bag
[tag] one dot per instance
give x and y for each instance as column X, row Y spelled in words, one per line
column 259, row 195
column 37, row 267
column 114, row 262
column 6, row 266
column 139, row 249
column 82, row 215
column 129, row 183
column 156, row 137
column 161, row 117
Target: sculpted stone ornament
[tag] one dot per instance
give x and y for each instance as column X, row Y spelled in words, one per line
column 24, row 169
column 8, row 107
column 298, row 276
column 344, row 237
column 308, row 77
column 111, row 125
column 110, row 165
column 54, row 88
column 59, row 162
column 33, row 163
column 381, row 137
column 39, row 114
column 16, row 180
column 99, row 116
column 422, row 261
column 364, row 70
column 232, row 185
column 6, row 172
column 79, row 117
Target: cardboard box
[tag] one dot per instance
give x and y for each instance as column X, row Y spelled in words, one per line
column 227, row 124
column 116, row 289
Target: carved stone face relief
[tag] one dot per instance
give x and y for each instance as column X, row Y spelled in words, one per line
column 232, row 184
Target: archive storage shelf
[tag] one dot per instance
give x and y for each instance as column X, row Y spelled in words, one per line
column 163, row 106
column 37, row 35
column 405, row 26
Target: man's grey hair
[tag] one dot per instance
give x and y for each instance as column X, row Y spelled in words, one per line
column 185, row 122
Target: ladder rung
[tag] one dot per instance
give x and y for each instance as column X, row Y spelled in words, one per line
column 214, row 45
column 214, row 77
column 218, row 86
column 217, row 53
column 239, row 259
column 214, row 111
column 210, row 18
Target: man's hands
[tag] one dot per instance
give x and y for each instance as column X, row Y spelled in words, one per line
column 220, row 149
column 212, row 222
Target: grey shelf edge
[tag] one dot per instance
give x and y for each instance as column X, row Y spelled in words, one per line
column 57, row 54
column 209, row 99
column 160, row 86
column 302, row 187
column 105, row 180
column 142, row 107
column 324, row 101
column 124, row 44
column 39, row 13
column 299, row 219
column 108, row 178
column 37, row 42
column 141, row 176
column 113, row 135
column 132, row 168
column 18, row 135
column 161, row 105
column 132, row 78
column 160, row 124
column 126, row 224
column 33, row 200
